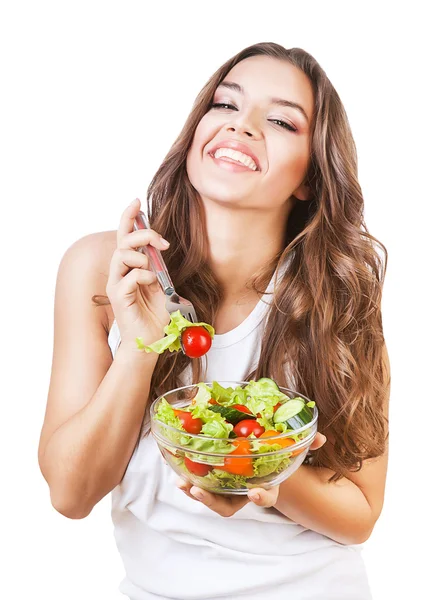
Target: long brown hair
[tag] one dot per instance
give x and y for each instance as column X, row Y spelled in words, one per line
column 323, row 336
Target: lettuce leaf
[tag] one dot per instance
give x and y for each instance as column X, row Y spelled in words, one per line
column 166, row 414
column 266, row 465
column 221, row 394
column 202, row 397
column 218, row 478
column 208, row 445
column 173, row 332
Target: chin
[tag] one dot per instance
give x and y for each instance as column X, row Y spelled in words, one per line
column 229, row 200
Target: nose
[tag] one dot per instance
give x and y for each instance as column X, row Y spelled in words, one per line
column 241, row 124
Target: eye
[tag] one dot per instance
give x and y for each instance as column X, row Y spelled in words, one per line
column 222, row 105
column 283, row 124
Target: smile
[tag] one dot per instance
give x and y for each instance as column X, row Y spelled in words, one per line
column 231, row 164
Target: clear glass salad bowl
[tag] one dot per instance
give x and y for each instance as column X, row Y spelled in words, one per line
column 233, row 458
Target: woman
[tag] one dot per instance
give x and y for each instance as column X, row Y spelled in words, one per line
column 260, row 202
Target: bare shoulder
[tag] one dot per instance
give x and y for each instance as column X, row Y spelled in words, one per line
column 93, row 252
column 95, row 248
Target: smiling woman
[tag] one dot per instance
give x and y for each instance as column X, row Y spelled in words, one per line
column 260, row 201
column 250, row 115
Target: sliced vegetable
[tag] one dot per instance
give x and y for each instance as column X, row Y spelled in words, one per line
column 241, row 465
column 266, row 382
column 231, row 414
column 294, row 413
column 282, row 442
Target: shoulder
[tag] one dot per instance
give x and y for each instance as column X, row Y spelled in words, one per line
column 97, row 248
column 86, row 264
column 90, row 257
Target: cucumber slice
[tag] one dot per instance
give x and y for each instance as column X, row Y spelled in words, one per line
column 294, row 412
column 232, row 415
column 268, row 381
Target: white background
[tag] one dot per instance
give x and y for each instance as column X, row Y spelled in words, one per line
column 93, row 95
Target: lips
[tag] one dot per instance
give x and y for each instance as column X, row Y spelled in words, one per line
column 236, row 146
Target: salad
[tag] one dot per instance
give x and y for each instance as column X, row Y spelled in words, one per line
column 222, row 438
column 193, row 338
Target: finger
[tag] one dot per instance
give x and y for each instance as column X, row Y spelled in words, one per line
column 318, row 442
column 127, row 220
column 124, row 261
column 142, row 237
column 265, row 498
column 226, row 506
column 185, row 487
column 128, row 284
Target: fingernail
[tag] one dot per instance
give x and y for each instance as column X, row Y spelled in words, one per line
column 164, row 242
column 324, row 437
column 255, row 497
column 198, row 495
column 134, row 202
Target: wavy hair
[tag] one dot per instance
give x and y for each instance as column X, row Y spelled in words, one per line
column 323, row 334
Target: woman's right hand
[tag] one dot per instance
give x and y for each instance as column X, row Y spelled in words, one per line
column 137, row 300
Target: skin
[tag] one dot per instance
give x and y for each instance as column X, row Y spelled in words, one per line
column 260, row 203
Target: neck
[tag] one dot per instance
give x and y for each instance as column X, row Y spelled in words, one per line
column 242, row 242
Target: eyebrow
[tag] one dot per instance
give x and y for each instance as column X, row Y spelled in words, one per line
column 279, row 101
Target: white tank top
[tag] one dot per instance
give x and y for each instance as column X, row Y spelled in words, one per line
column 175, row 548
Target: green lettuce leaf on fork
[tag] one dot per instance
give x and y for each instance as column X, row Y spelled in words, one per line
column 173, row 332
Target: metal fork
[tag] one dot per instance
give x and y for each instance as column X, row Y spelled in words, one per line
column 174, row 301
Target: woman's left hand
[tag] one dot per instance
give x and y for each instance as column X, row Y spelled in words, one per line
column 227, row 506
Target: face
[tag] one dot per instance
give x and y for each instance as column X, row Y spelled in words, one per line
column 266, row 142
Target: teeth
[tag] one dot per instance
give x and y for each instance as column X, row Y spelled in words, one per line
column 236, row 155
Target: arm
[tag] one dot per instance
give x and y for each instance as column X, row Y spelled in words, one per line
column 346, row 510
column 95, row 406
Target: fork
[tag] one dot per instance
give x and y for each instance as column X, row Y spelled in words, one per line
column 173, row 301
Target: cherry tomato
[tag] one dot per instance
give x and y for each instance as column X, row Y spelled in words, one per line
column 239, row 466
column 196, row 341
column 283, row 442
column 189, row 423
column 197, row 468
column 242, row 408
column 247, row 426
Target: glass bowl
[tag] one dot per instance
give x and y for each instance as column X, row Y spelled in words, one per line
column 233, row 465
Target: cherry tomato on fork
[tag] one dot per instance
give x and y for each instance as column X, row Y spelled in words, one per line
column 196, row 341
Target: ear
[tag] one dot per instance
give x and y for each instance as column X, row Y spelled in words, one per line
column 302, row 193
